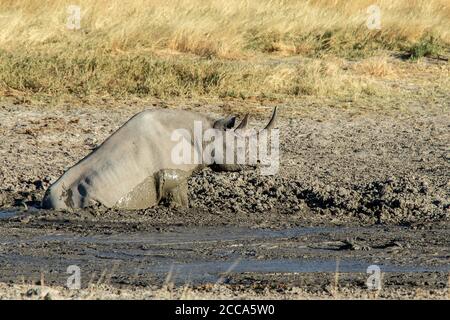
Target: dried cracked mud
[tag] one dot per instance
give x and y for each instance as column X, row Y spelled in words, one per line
column 353, row 190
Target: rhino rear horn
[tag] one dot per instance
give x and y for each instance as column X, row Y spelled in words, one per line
column 243, row 123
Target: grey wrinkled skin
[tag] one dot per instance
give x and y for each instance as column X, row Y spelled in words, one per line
column 133, row 168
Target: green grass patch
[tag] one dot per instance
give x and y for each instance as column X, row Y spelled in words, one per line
column 428, row 46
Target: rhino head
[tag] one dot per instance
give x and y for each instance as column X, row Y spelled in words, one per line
column 241, row 136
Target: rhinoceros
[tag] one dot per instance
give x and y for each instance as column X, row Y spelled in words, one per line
column 133, row 168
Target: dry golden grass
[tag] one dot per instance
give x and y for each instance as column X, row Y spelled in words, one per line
column 237, row 49
column 378, row 66
column 224, row 29
column 211, row 292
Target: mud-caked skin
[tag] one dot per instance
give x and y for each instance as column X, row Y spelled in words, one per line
column 133, row 168
column 171, row 185
column 142, row 196
column 168, row 185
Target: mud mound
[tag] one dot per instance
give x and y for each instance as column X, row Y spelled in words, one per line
column 398, row 200
column 394, row 200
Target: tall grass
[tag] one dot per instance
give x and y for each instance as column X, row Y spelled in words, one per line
column 198, row 47
column 221, row 28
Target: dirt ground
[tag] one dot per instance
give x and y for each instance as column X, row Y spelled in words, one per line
column 353, row 190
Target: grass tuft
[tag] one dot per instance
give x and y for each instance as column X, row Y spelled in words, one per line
column 429, row 46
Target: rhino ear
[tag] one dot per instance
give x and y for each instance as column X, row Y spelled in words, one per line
column 225, row 123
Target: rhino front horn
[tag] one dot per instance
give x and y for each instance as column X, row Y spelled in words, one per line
column 272, row 120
